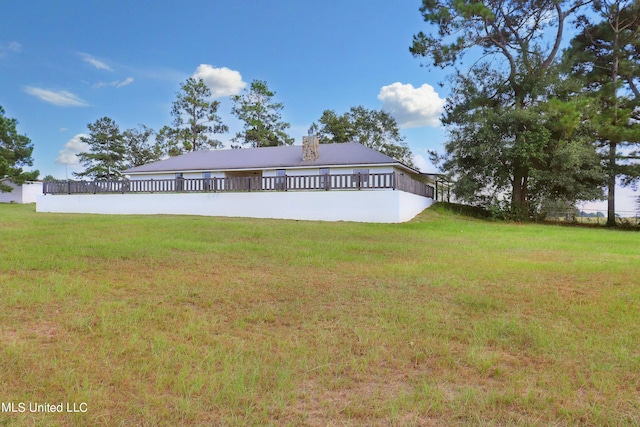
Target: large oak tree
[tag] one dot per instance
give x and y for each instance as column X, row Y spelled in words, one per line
column 518, row 40
column 488, row 137
column 375, row 129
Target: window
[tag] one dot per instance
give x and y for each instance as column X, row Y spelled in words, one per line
column 179, row 181
column 325, row 181
column 360, row 177
column 281, row 179
column 206, row 181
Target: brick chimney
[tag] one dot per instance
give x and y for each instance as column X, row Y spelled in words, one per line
column 310, row 148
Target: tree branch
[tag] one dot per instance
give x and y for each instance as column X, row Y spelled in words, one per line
column 633, row 86
column 556, row 46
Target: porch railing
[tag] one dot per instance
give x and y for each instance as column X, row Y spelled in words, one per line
column 326, row 182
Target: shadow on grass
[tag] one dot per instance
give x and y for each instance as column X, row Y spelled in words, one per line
column 481, row 213
column 464, row 210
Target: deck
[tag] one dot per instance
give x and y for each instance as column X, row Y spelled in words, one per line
column 328, row 182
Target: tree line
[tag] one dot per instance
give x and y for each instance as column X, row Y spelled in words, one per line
column 529, row 123
column 196, row 124
column 194, row 127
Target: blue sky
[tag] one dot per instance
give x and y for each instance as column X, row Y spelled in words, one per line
column 66, row 64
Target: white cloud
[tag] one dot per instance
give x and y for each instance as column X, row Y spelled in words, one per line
column 125, row 82
column 6, row 48
column 67, row 156
column 421, row 163
column 116, row 83
column 222, row 81
column 95, row 62
column 412, row 107
column 424, row 164
column 61, row 98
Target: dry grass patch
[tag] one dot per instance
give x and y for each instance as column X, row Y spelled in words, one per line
column 213, row 321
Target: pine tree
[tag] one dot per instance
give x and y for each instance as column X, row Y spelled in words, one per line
column 195, row 120
column 606, row 55
column 105, row 158
column 261, row 116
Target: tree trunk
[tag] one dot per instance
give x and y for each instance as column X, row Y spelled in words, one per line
column 611, row 196
column 611, row 193
column 519, row 199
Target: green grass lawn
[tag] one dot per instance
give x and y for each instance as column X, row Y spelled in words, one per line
column 445, row 320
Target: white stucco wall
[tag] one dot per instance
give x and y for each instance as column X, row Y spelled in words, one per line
column 13, row 196
column 25, row 193
column 31, row 191
column 387, row 206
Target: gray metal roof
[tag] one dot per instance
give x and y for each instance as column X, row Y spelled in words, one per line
column 289, row 156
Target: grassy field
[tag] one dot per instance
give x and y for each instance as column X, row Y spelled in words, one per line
column 446, row 320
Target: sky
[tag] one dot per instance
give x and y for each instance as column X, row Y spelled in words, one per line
column 66, row 64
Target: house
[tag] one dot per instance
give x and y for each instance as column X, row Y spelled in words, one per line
column 24, row 193
column 332, row 182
